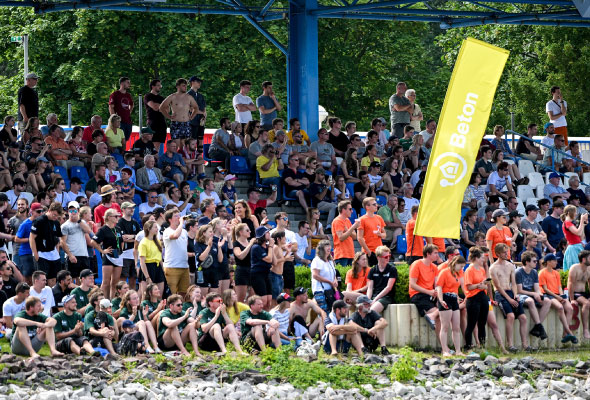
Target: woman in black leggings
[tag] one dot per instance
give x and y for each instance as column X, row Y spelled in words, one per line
column 477, row 300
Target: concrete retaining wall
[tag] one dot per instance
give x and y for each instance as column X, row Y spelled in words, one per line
column 407, row 328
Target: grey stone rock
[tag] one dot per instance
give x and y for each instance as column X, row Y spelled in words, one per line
column 373, row 359
column 562, row 387
column 490, row 359
column 472, row 357
column 480, row 366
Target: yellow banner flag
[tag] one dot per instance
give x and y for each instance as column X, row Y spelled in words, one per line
column 462, row 123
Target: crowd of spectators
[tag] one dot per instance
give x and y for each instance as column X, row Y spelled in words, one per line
column 183, row 258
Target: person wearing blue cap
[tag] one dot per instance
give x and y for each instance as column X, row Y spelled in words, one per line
column 550, row 131
column 550, row 283
column 69, row 329
column 554, row 188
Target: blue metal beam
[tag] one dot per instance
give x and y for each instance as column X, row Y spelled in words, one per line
column 541, row 23
column 359, row 7
column 384, row 17
column 267, row 35
column 266, row 7
column 175, row 10
column 467, row 14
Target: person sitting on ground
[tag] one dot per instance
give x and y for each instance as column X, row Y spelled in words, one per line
column 174, row 330
column 300, row 309
column 217, row 327
column 132, row 310
column 69, row 329
column 578, row 277
column 33, row 329
column 422, row 276
column 99, row 325
column 550, row 282
column 370, row 325
column 15, row 304
column 527, row 282
column 340, row 334
column 504, row 279
column 381, row 281
column 258, row 327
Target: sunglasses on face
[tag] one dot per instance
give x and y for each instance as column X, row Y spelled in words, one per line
column 73, row 211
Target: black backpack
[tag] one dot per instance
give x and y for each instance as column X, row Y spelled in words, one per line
column 131, row 343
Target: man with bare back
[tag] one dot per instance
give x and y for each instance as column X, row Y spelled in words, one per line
column 184, row 108
column 299, row 310
column 579, row 275
column 504, row 279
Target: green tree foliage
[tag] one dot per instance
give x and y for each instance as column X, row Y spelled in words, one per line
column 80, row 56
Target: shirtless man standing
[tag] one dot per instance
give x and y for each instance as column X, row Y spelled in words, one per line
column 579, row 275
column 282, row 253
column 184, row 109
column 504, row 279
column 299, row 310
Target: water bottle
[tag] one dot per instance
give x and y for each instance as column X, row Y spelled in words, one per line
column 200, row 276
column 490, row 306
column 566, row 293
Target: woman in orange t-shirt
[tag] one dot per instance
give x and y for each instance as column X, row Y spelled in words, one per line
column 447, row 289
column 356, row 278
column 477, row 300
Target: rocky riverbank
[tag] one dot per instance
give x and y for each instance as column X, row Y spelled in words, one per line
column 173, row 378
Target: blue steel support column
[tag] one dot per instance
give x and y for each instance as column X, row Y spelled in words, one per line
column 302, row 66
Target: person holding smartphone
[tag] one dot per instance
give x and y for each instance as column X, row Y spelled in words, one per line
column 109, row 241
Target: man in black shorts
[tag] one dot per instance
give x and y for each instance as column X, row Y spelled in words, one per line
column 423, row 274
column 216, row 326
column 258, row 327
column 155, row 119
column 198, row 123
column 503, row 276
column 129, row 229
column 44, row 238
column 69, row 329
column 371, row 325
column 381, row 281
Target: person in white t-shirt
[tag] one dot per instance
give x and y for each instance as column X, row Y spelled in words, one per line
column 43, row 292
column 243, row 104
column 176, row 253
column 303, row 239
column 549, row 140
column 500, row 183
column 209, row 192
column 556, row 109
column 15, row 304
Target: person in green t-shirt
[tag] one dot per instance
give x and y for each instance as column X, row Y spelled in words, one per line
column 216, row 326
column 120, row 289
column 174, row 330
column 133, row 311
column 390, row 215
column 82, row 291
column 258, row 326
column 32, row 329
column 153, row 301
column 193, row 299
column 69, row 329
column 99, row 325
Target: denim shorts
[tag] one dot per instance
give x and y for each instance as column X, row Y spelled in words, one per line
column 276, row 283
column 26, row 264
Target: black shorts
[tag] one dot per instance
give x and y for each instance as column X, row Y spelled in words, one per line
column 77, row 267
column 159, row 129
column 260, row 282
column 452, row 302
column 163, row 347
column 289, row 275
column 208, row 343
column 581, row 294
column 210, row 278
column 223, row 273
column 250, row 340
column 505, row 305
column 369, row 342
column 385, row 301
column 96, row 341
column 242, row 276
column 423, row 302
column 197, row 132
column 155, row 271
column 129, row 270
column 50, row 267
column 64, row 344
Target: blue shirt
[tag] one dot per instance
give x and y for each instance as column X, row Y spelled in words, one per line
column 24, row 231
column 165, row 161
column 267, row 103
column 552, row 227
column 256, row 255
column 526, row 280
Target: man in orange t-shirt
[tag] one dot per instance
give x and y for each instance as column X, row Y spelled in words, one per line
column 371, row 232
column 415, row 243
column 344, row 234
column 498, row 234
column 422, row 292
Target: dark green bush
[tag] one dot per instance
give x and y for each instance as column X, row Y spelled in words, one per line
column 303, row 279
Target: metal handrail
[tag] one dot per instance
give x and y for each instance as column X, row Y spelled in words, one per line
column 550, row 148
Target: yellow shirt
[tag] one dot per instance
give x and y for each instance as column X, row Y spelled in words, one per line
column 231, row 313
column 115, row 139
column 290, row 136
column 272, row 172
column 148, row 249
column 366, row 161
